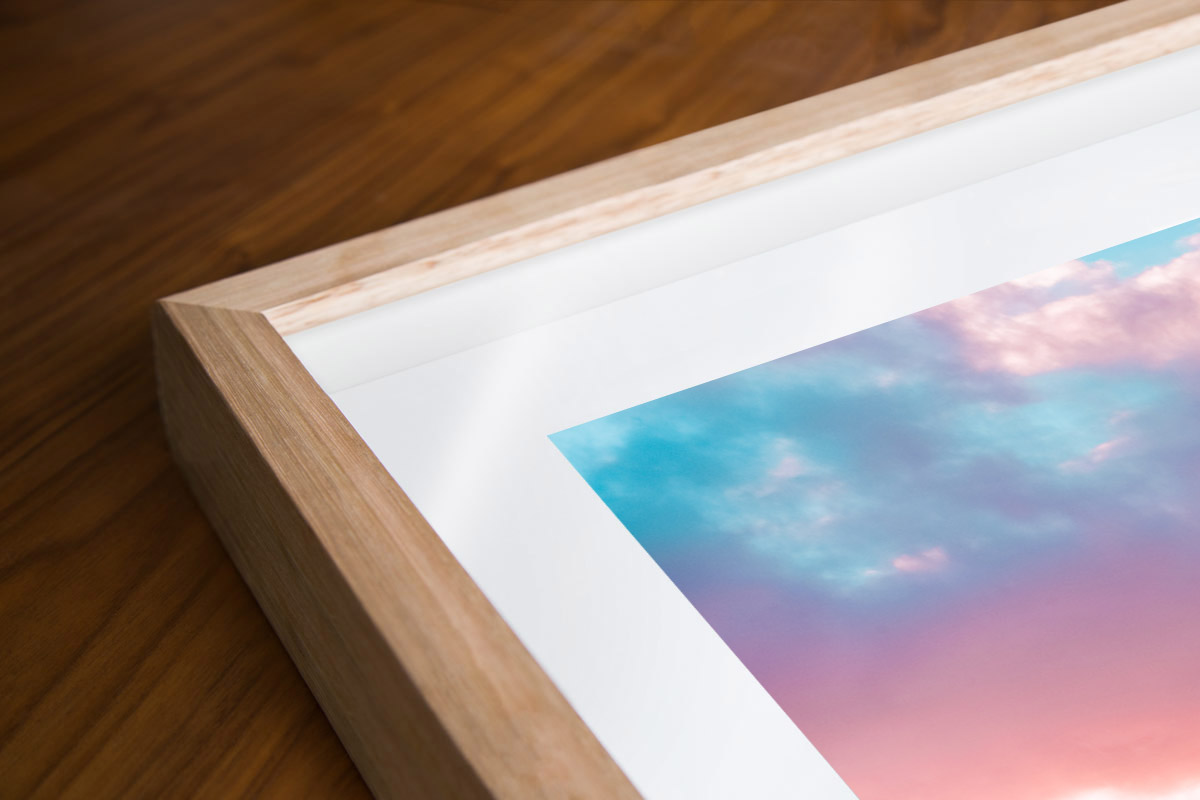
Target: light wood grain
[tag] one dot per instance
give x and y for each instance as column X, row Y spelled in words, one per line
column 430, row 691
column 499, row 230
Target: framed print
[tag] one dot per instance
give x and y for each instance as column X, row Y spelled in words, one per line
column 960, row 530
column 839, row 451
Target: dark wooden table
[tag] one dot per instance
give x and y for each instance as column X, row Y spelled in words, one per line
column 151, row 146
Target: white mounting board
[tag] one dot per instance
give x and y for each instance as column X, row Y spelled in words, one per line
column 456, row 390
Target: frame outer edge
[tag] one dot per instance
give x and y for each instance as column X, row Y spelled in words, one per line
column 429, row 690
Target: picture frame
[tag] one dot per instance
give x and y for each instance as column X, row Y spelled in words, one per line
column 427, row 686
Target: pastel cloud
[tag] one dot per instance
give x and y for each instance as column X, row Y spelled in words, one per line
column 789, row 467
column 1191, row 792
column 1098, row 454
column 786, row 465
column 929, row 560
column 1091, row 275
column 1078, row 315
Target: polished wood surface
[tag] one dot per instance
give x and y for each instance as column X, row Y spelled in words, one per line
column 149, row 147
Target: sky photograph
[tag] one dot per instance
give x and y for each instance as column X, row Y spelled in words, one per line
column 961, row 549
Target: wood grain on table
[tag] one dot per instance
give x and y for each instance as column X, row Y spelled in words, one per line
column 148, row 147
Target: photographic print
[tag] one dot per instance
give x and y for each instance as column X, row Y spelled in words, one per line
column 961, row 549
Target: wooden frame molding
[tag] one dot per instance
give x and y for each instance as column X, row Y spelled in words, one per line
column 431, row 692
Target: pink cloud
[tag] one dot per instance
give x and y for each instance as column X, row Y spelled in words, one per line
column 789, row 467
column 1190, row 791
column 785, row 465
column 1098, row 454
column 1088, row 275
column 1078, row 314
column 932, row 559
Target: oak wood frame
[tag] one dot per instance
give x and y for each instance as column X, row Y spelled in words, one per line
column 430, row 691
